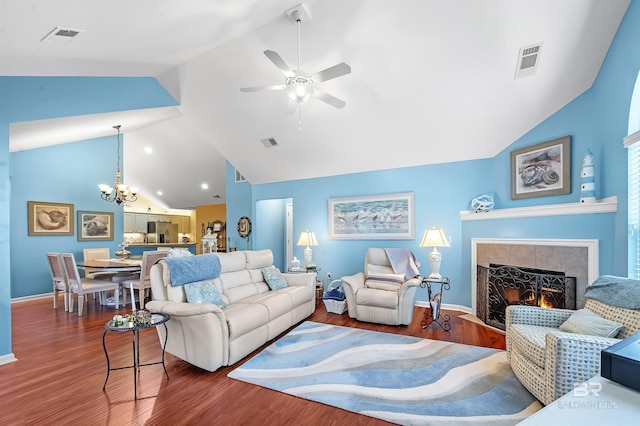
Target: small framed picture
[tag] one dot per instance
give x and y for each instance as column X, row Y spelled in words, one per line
column 49, row 218
column 542, row 169
column 94, row 226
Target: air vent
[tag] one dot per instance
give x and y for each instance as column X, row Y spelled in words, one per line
column 61, row 35
column 239, row 177
column 528, row 60
column 269, row 142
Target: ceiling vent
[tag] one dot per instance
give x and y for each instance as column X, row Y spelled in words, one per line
column 528, row 60
column 61, row 35
column 239, row 177
column 269, row 142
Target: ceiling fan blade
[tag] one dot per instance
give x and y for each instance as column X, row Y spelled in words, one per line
column 291, row 107
column 279, row 62
column 330, row 99
column 260, row 88
column 331, row 72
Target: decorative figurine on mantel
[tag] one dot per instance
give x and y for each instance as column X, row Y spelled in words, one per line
column 588, row 184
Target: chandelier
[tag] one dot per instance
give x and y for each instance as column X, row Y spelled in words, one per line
column 120, row 192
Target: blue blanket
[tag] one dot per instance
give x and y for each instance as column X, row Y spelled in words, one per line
column 620, row 292
column 190, row 269
column 403, row 261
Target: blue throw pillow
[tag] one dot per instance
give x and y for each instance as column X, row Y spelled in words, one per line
column 204, row 292
column 274, row 278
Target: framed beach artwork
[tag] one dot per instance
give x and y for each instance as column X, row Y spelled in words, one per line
column 375, row 217
column 94, row 226
column 542, row 169
column 49, row 218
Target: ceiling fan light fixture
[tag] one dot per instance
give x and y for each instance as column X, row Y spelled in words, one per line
column 299, row 89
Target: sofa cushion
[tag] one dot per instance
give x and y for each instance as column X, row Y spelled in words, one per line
column 244, row 317
column 583, row 321
column 276, row 302
column 274, row 278
column 375, row 297
column 258, row 259
column 529, row 341
column 384, row 281
column 204, row 292
column 232, row 261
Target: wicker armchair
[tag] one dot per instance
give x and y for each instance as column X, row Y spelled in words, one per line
column 549, row 362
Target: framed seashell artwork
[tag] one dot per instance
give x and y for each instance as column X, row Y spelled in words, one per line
column 95, row 226
column 541, row 170
column 49, row 218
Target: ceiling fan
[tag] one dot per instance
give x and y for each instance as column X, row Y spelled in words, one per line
column 299, row 85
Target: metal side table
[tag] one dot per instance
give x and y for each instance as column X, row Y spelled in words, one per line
column 156, row 320
column 435, row 300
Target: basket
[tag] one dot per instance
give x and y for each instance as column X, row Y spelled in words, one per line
column 335, row 306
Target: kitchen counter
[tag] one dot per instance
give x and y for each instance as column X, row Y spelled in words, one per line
column 139, row 248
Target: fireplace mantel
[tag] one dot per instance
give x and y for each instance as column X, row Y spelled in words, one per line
column 606, row 205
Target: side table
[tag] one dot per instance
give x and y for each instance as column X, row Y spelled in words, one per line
column 314, row 269
column 435, row 300
column 156, row 320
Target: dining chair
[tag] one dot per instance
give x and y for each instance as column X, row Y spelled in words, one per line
column 95, row 254
column 82, row 286
column 143, row 282
column 59, row 279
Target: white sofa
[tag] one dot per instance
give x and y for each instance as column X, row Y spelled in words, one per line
column 208, row 336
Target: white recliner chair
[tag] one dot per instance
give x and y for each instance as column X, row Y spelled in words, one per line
column 379, row 294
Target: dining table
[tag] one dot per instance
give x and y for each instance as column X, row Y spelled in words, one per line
column 122, row 269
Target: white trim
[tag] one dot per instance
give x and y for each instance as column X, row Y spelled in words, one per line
column 606, row 205
column 592, row 257
column 627, row 141
column 6, row 359
column 32, row 297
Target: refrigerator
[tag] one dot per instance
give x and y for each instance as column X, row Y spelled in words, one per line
column 162, row 233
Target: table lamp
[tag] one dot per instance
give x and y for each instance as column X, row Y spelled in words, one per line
column 435, row 238
column 307, row 238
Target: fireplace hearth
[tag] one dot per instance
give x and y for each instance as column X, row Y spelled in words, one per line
column 499, row 286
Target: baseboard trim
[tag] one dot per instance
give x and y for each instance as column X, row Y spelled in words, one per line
column 447, row 306
column 8, row 358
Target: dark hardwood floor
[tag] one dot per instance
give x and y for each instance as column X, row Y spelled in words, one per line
column 61, row 368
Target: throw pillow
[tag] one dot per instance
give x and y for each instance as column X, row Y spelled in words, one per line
column 274, row 278
column 384, row 281
column 584, row 321
column 204, row 292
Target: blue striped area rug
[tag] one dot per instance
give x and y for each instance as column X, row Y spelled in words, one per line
column 400, row 379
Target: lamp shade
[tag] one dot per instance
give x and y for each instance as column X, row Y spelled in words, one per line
column 434, row 237
column 307, row 238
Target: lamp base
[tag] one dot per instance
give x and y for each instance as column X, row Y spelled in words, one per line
column 307, row 257
column 435, row 259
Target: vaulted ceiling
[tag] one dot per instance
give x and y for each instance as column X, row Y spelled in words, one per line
column 432, row 81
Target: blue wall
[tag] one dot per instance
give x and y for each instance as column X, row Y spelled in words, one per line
column 65, row 173
column 596, row 120
column 238, row 204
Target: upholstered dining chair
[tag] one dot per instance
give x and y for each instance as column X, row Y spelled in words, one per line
column 82, row 286
column 95, row 254
column 59, row 279
column 143, row 282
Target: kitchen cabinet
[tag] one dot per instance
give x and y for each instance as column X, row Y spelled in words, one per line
column 182, row 222
column 137, row 222
column 141, row 223
column 129, row 222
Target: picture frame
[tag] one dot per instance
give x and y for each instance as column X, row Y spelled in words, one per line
column 46, row 218
column 95, row 226
column 541, row 170
column 373, row 217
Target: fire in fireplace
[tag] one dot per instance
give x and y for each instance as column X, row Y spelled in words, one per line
column 502, row 285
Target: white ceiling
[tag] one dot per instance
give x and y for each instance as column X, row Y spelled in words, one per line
column 432, row 81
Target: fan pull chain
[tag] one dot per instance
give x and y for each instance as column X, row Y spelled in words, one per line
column 300, row 118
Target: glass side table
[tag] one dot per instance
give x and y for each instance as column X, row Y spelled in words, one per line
column 134, row 329
column 435, row 301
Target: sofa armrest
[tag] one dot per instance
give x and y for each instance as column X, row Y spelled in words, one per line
column 572, row 358
column 176, row 309
column 307, row 279
column 533, row 315
column 351, row 284
column 413, row 282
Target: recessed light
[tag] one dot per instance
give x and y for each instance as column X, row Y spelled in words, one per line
column 148, row 149
column 204, row 186
column 159, row 193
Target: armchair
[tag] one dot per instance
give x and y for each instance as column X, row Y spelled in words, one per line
column 380, row 295
column 550, row 362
